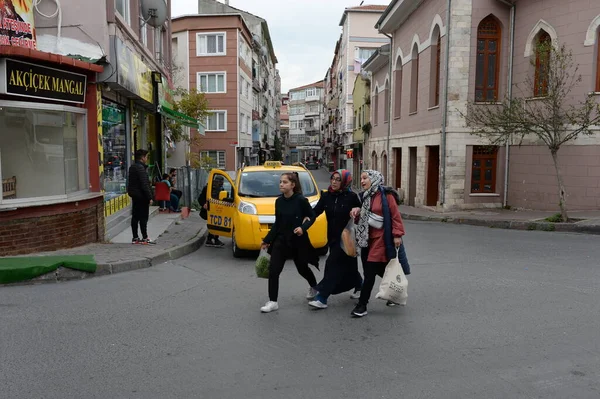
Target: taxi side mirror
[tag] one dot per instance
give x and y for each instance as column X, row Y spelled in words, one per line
column 222, row 195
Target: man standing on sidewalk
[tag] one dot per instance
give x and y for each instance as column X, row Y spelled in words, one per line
column 138, row 188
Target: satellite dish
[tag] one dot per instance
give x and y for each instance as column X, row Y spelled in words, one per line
column 154, row 12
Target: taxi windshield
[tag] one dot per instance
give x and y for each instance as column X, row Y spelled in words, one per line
column 266, row 184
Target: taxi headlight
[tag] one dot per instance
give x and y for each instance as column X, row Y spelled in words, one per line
column 247, row 208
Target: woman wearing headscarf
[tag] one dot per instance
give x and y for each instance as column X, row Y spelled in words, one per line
column 341, row 271
column 378, row 233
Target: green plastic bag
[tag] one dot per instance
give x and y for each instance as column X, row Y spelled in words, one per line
column 262, row 264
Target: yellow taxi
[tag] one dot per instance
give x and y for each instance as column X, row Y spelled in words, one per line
column 243, row 207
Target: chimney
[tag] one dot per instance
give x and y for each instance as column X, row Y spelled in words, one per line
column 227, row 2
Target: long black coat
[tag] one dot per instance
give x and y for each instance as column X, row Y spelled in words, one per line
column 341, row 271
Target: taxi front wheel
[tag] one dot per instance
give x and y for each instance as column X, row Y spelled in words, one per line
column 237, row 252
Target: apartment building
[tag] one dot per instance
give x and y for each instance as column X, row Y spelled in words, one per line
column 305, row 118
column 284, row 124
column 227, row 54
column 358, row 42
column 66, row 148
column 422, row 83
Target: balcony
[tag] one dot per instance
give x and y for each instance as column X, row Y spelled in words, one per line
column 255, row 115
column 312, row 98
column 296, row 139
column 256, row 85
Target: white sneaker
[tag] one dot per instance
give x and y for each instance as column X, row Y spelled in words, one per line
column 269, row 307
column 312, row 293
column 355, row 295
column 317, row 304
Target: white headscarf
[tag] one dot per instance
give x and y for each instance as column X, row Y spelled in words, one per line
column 362, row 230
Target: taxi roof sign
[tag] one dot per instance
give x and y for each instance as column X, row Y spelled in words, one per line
column 272, row 164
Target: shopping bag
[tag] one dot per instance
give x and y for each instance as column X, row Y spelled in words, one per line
column 393, row 285
column 348, row 240
column 262, row 264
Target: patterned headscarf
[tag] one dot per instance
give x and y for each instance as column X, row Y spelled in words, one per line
column 362, row 230
column 346, row 177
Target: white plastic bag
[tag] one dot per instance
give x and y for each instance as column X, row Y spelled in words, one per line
column 348, row 239
column 393, row 285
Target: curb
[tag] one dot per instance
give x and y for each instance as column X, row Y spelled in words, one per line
column 528, row 225
column 104, row 269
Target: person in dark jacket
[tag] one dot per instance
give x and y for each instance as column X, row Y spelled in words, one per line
column 212, row 240
column 288, row 238
column 173, row 181
column 341, row 271
column 138, row 188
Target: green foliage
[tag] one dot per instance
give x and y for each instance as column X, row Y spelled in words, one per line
column 556, row 218
column 191, row 103
column 367, row 128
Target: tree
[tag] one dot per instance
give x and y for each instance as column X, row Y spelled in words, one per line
column 278, row 154
column 553, row 117
column 191, row 103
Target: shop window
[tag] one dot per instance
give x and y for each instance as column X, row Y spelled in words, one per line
column 483, row 172
column 42, row 152
column 114, row 143
column 215, row 159
column 488, row 59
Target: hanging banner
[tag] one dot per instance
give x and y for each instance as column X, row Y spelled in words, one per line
column 132, row 73
column 16, row 24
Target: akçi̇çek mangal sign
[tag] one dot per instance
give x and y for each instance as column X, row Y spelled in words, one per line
column 30, row 80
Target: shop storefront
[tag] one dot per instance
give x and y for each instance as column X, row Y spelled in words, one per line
column 50, row 195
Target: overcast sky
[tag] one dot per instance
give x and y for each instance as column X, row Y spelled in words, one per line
column 304, row 33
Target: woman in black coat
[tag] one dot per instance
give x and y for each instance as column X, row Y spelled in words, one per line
column 341, row 271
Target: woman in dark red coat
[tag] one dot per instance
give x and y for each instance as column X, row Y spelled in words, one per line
column 379, row 232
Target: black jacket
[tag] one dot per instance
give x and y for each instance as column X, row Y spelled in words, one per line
column 337, row 207
column 202, row 201
column 138, row 183
column 289, row 214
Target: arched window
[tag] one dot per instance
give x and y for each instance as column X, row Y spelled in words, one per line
column 398, row 88
column 376, row 106
column 488, row 59
column 414, row 80
column 386, row 102
column 598, row 61
column 542, row 59
column 374, row 160
column 434, row 84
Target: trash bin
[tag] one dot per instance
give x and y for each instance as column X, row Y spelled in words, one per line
column 331, row 167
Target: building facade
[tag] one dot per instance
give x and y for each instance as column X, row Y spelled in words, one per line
column 430, row 81
column 85, row 95
column 305, row 118
column 358, row 42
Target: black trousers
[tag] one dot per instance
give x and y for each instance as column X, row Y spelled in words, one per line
column 178, row 193
column 140, row 211
column 371, row 270
column 280, row 253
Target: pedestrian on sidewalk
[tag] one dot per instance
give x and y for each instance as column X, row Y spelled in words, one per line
column 379, row 232
column 212, row 240
column 288, row 238
column 341, row 271
column 138, row 188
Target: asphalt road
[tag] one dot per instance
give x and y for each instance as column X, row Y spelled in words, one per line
column 491, row 314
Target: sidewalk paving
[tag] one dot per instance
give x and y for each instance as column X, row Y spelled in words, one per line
column 175, row 237
column 583, row 221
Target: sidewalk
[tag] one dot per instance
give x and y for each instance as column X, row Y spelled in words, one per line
column 583, row 221
column 175, row 237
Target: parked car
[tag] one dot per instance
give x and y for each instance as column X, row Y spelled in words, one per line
column 312, row 165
